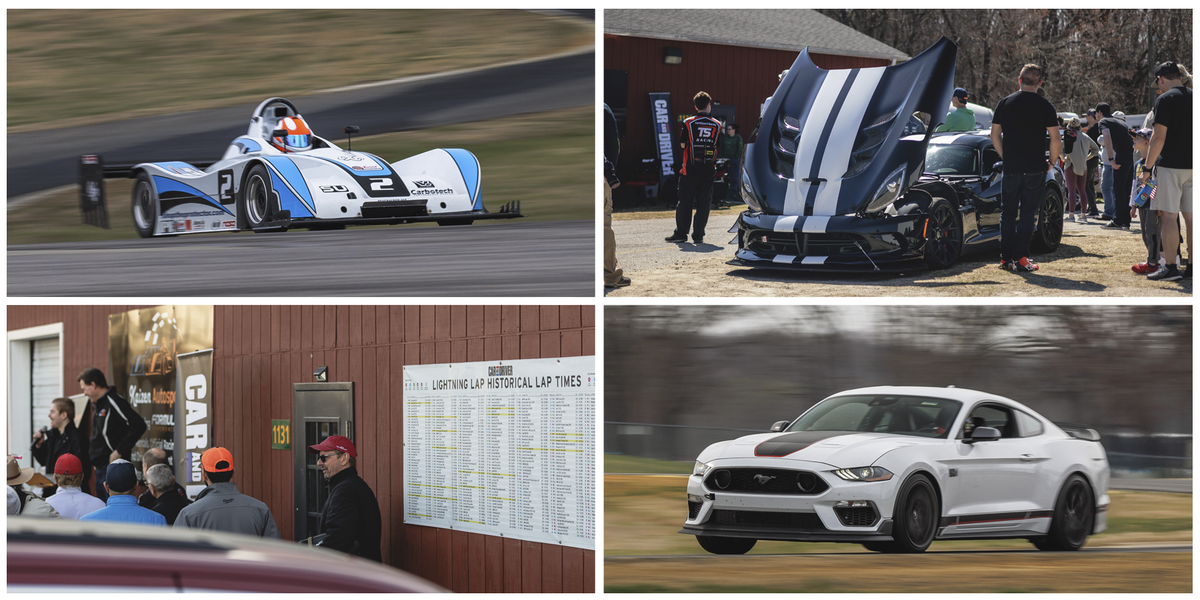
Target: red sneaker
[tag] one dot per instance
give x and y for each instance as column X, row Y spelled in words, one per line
column 1026, row 265
column 1144, row 268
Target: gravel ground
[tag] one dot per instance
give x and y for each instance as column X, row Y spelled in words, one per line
column 1091, row 261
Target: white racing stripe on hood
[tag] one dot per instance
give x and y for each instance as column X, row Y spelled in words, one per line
column 816, row 225
column 818, row 114
column 841, row 140
column 786, row 224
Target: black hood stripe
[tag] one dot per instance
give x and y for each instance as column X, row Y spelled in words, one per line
column 787, row 443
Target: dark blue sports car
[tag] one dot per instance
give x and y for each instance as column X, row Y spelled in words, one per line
column 845, row 173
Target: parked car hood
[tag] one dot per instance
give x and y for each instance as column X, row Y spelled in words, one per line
column 840, row 449
column 829, row 141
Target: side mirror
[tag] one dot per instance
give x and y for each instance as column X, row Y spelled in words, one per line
column 997, row 167
column 983, row 434
column 279, row 133
column 351, row 129
column 779, row 426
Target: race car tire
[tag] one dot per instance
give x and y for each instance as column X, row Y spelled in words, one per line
column 725, row 545
column 1074, row 517
column 1049, row 229
column 916, row 516
column 144, row 205
column 254, row 199
column 943, row 235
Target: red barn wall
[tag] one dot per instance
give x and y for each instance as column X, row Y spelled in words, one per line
column 740, row 76
column 259, row 351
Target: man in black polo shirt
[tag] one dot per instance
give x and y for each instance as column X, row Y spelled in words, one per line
column 1019, row 127
column 1171, row 147
column 1118, row 151
column 698, row 139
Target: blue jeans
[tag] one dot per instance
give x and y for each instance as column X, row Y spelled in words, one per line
column 101, row 477
column 1106, row 190
column 1020, row 200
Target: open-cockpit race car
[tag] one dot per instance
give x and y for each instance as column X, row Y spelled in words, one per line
column 280, row 175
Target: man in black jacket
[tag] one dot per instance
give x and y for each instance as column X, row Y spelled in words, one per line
column 62, row 438
column 350, row 520
column 151, row 457
column 116, row 427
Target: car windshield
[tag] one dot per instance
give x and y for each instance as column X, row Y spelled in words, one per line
column 952, row 159
column 903, row 415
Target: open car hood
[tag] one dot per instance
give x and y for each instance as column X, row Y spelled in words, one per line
column 829, row 142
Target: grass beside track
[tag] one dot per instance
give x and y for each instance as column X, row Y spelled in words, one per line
column 544, row 160
column 642, row 515
column 71, row 67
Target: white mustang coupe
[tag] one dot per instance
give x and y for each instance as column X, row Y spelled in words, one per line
column 894, row 468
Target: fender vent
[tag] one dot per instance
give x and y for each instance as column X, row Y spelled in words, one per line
column 858, row 516
column 694, row 509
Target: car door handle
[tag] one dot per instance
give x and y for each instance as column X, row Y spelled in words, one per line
column 1027, row 458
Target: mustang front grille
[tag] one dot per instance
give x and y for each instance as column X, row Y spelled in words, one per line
column 766, row 481
column 782, row 520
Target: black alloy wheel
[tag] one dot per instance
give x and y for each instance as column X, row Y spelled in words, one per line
column 145, row 209
column 1049, row 228
column 725, row 545
column 1074, row 517
column 916, row 516
column 943, row 235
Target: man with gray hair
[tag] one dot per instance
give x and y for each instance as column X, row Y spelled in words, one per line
column 154, row 456
column 169, row 498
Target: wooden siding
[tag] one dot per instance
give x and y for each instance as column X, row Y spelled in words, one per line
column 259, row 351
column 737, row 76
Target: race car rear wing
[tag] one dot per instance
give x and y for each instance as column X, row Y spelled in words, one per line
column 92, row 173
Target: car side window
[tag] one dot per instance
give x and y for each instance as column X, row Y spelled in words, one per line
column 997, row 417
column 1028, row 424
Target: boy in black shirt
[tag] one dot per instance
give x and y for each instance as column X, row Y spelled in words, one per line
column 698, row 139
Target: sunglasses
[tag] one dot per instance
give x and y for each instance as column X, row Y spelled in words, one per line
column 323, row 457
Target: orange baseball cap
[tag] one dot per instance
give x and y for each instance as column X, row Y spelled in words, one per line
column 217, row 460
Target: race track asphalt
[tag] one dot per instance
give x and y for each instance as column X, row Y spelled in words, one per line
column 45, row 159
column 542, row 259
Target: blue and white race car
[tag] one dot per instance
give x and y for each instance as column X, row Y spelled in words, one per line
column 279, row 175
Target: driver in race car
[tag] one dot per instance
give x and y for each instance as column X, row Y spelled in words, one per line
column 298, row 138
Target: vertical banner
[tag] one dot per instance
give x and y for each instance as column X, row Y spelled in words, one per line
column 195, row 413
column 143, row 346
column 503, row 448
column 664, row 132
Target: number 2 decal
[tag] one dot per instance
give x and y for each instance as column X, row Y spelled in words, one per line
column 381, row 184
column 225, row 186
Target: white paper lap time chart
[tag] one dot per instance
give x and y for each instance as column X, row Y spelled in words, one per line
column 503, row 448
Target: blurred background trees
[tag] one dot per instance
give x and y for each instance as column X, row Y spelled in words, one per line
column 1089, row 56
column 716, row 372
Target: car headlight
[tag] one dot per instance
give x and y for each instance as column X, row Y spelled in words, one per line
column 888, row 192
column 864, row 474
column 701, row 469
column 749, row 195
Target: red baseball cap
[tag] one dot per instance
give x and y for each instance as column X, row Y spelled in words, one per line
column 217, row 460
column 68, row 464
column 340, row 443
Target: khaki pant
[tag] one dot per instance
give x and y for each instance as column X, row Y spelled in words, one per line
column 612, row 269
